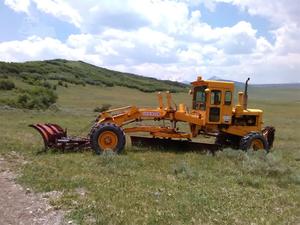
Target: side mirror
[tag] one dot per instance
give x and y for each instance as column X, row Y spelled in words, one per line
column 191, row 92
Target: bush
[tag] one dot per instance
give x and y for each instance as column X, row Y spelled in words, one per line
column 39, row 98
column 184, row 170
column 260, row 163
column 103, row 108
column 33, row 77
column 92, row 82
column 46, row 84
column 108, row 83
column 7, row 85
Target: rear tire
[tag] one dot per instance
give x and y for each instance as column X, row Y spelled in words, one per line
column 107, row 137
column 254, row 141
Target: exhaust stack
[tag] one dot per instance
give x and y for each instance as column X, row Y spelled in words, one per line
column 245, row 100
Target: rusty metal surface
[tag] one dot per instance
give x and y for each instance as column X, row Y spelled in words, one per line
column 55, row 136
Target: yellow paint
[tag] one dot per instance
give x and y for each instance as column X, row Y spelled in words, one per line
column 219, row 113
column 107, row 140
column 257, row 144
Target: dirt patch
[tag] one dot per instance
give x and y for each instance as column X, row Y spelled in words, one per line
column 21, row 206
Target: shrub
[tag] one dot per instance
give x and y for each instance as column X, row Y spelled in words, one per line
column 31, row 76
column 260, row 163
column 60, row 83
column 39, row 98
column 7, row 85
column 46, row 84
column 108, row 83
column 103, row 108
column 92, row 82
column 184, row 170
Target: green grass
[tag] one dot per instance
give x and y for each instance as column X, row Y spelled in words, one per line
column 155, row 187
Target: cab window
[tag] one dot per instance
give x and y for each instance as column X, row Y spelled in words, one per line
column 199, row 98
column 228, row 97
column 215, row 98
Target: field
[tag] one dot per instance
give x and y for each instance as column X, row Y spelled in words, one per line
column 156, row 187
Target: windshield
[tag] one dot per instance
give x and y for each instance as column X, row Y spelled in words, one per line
column 199, row 98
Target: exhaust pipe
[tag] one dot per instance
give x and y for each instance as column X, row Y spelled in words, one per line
column 245, row 100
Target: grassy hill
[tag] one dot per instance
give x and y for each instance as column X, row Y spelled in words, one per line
column 81, row 73
column 33, row 85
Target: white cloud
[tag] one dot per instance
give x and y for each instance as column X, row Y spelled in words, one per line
column 278, row 11
column 81, row 40
column 287, row 39
column 18, row 5
column 167, row 39
column 168, row 15
column 35, row 48
column 57, row 8
column 239, row 39
column 60, row 9
column 263, row 46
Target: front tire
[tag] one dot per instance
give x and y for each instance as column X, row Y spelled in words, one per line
column 254, row 141
column 107, row 137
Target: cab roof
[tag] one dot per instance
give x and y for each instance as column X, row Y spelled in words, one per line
column 213, row 83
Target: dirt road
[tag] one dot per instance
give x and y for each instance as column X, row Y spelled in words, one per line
column 22, row 206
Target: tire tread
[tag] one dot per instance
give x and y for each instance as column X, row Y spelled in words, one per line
column 103, row 127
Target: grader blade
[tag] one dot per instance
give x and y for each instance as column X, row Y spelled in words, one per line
column 55, row 136
column 176, row 145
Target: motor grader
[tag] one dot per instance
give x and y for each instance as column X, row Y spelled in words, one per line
column 212, row 113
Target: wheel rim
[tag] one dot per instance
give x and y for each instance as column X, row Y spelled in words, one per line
column 257, row 144
column 108, row 140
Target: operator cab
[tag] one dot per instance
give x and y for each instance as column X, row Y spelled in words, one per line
column 214, row 100
column 199, row 98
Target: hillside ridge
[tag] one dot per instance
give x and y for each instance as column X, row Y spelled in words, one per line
column 81, row 73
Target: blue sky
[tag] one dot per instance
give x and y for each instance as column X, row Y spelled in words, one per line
column 166, row 39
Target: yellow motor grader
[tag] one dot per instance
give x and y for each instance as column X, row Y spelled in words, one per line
column 212, row 114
